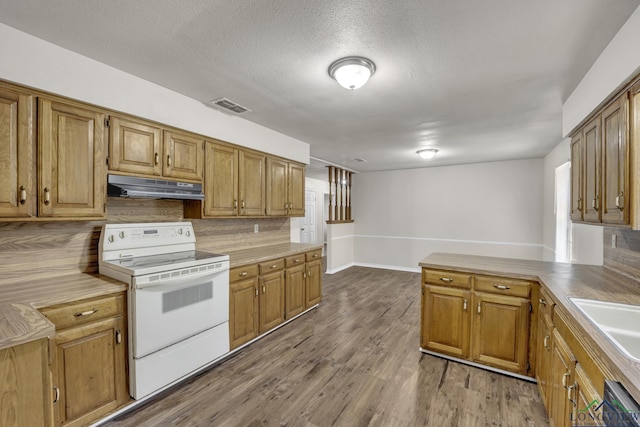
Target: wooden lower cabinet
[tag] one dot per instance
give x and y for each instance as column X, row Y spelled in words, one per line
column 243, row 307
column 500, row 332
column 271, row 300
column 543, row 358
column 295, row 283
column 313, row 283
column 89, row 359
column 562, row 376
column 25, row 385
column 445, row 325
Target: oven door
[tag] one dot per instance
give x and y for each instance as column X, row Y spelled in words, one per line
column 175, row 309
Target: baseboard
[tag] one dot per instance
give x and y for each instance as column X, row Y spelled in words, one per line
column 388, row 267
column 338, row 269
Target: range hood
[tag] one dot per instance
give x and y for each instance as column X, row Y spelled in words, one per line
column 149, row 188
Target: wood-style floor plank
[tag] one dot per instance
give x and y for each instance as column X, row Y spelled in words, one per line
column 354, row 361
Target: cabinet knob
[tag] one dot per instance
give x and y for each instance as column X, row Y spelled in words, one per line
column 118, row 336
column 235, row 204
column 274, row 266
column 242, row 204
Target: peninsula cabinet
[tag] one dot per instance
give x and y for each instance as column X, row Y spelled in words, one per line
column 139, row 147
column 25, row 385
column 303, row 284
column 234, row 183
column 71, row 158
column 543, row 341
column 17, row 153
column 89, row 359
column 285, row 188
column 483, row 319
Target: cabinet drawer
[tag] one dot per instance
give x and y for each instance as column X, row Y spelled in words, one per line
column 273, row 265
column 545, row 304
column 244, row 272
column 446, row 278
column 503, row 286
column 294, row 260
column 313, row 255
column 80, row 312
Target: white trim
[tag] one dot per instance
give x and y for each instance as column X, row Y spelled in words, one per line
column 340, row 268
column 432, row 239
column 350, row 236
column 388, row 267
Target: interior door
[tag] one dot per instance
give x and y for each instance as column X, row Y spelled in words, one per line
column 308, row 232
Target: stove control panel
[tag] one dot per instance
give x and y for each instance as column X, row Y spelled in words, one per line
column 145, row 235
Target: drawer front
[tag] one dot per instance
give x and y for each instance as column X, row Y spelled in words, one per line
column 244, row 272
column 545, row 304
column 270, row 266
column 446, row 278
column 313, row 255
column 503, row 286
column 80, row 312
column 294, row 260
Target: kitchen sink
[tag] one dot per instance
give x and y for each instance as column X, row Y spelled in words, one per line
column 620, row 322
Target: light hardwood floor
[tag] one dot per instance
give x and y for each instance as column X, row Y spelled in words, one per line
column 354, row 361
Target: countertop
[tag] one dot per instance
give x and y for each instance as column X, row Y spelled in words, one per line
column 21, row 322
column 562, row 281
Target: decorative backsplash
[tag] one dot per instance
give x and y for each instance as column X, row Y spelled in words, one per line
column 625, row 257
column 43, row 249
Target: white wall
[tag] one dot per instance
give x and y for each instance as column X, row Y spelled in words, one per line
column 340, row 247
column 617, row 63
column 489, row 209
column 42, row 65
column 558, row 156
column 587, row 244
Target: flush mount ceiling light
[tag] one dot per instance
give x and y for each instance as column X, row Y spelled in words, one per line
column 427, row 153
column 352, row 72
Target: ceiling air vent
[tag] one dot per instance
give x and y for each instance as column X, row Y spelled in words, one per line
column 228, row 105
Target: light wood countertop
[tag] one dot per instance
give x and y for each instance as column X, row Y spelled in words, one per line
column 563, row 281
column 21, row 322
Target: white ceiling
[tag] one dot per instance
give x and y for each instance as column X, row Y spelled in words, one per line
column 478, row 80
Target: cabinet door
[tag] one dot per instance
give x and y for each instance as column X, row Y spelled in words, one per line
column 71, row 160
column 277, row 175
column 296, row 189
column 17, row 156
column 592, row 198
column 25, row 385
column 543, row 358
column 90, row 371
column 243, row 311
column 271, row 300
column 577, row 175
column 562, row 367
column 182, row 156
column 252, row 184
column 295, row 290
column 615, row 167
column 446, row 320
column 221, row 180
column 134, row 147
column 500, row 332
column 313, row 291
column 584, row 398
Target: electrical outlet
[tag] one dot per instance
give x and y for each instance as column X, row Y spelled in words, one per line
column 614, row 241
column 256, row 228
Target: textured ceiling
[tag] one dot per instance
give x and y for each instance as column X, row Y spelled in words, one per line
column 478, row 80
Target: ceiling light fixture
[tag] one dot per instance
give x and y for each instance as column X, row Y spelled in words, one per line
column 352, row 72
column 427, row 153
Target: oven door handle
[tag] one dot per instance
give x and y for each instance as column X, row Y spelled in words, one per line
column 179, row 282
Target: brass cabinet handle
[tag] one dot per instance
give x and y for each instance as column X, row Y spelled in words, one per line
column 570, row 394
column 309, row 274
column 564, row 379
column 580, row 204
column 235, row 204
column 502, row 287
column 618, row 198
column 315, row 255
column 263, row 288
column 47, row 196
column 86, row 313
column 446, row 279
column 118, row 336
column 244, row 273
column 274, row 266
column 23, row 195
column 464, row 305
column 595, row 203
column 545, row 342
column 479, row 308
column 542, row 301
column 304, row 276
column 297, row 260
column 169, row 160
column 57, row 395
column 156, row 158
column 242, row 204
column 256, row 291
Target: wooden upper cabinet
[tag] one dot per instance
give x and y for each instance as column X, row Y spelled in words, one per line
column 17, row 155
column 285, row 188
column 633, row 202
column 577, row 178
column 221, row 180
column 277, row 186
column 251, row 183
column 71, row 158
column 615, row 162
column 592, row 173
column 296, row 189
column 182, row 157
column 134, row 146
